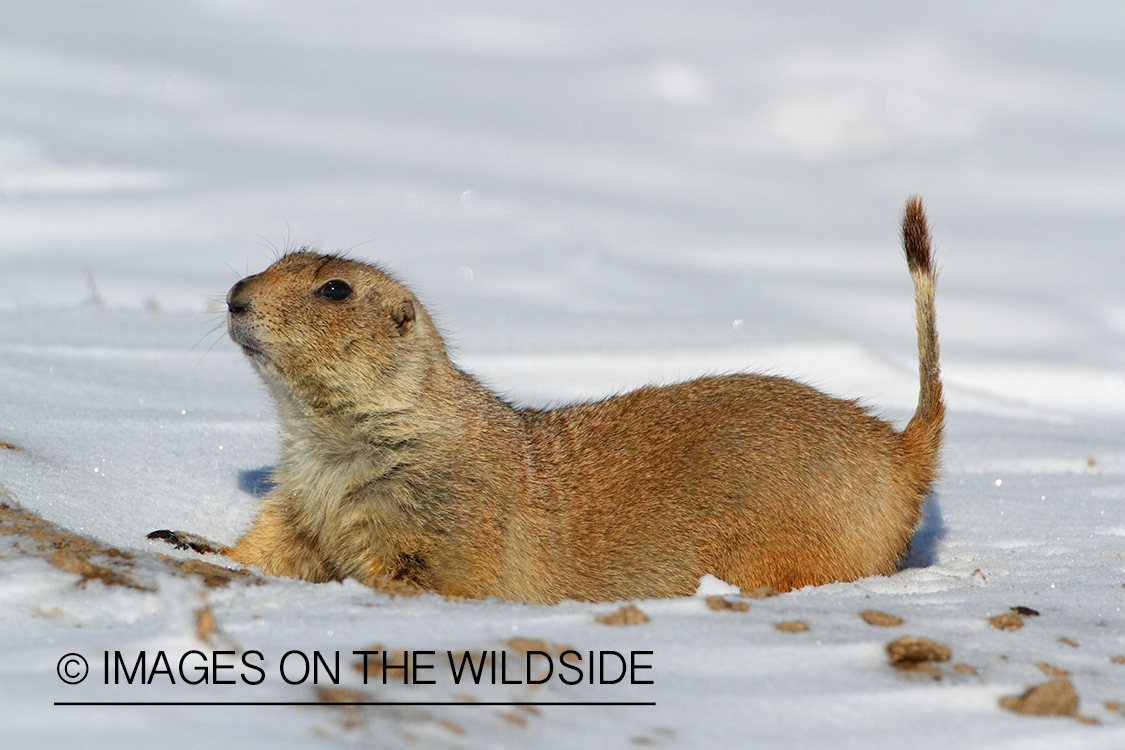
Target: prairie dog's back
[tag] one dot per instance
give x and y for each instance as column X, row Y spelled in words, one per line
column 763, row 481
column 757, row 480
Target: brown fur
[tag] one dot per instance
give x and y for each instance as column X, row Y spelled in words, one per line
column 397, row 464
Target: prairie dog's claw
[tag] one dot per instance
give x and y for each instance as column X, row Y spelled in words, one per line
column 185, row 540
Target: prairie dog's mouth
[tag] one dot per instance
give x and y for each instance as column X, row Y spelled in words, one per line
column 252, row 351
column 244, row 337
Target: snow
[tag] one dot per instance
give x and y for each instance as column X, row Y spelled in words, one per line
column 709, row 585
column 589, row 197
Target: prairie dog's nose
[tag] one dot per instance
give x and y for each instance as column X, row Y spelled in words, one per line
column 237, row 299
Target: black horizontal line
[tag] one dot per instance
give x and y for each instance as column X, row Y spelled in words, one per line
column 355, row 703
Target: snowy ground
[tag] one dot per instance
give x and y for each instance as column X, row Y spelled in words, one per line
column 590, row 196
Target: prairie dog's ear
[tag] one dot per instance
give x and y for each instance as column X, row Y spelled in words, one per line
column 403, row 316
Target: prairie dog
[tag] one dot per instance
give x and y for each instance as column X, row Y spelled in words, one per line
column 396, row 464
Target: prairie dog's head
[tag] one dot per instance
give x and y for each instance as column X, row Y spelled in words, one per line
column 333, row 333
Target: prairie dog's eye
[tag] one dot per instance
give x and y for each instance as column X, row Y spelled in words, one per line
column 335, row 290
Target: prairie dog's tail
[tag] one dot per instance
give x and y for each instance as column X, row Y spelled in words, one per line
column 922, row 435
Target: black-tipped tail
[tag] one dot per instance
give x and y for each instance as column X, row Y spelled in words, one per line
column 924, row 432
column 916, row 237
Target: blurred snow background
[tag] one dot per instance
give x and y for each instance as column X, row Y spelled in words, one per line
column 589, row 196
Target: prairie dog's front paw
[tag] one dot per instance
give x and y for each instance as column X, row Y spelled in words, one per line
column 186, row 540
